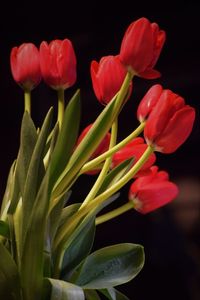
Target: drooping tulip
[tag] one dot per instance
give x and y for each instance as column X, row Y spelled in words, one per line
column 103, row 146
column 169, row 123
column 58, row 63
column 107, row 77
column 141, row 47
column 152, row 191
column 148, row 102
column 25, row 66
column 134, row 149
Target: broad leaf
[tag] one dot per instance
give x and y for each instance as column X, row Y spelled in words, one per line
column 91, row 295
column 62, row 290
column 111, row 266
column 113, row 294
column 79, row 248
column 66, row 138
column 9, row 277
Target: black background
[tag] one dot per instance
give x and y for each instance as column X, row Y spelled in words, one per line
column 96, row 30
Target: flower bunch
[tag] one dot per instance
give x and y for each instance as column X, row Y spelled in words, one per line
column 46, row 236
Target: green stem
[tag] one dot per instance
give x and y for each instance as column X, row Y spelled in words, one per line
column 61, row 106
column 118, row 185
column 96, row 161
column 105, row 168
column 114, row 213
column 27, row 101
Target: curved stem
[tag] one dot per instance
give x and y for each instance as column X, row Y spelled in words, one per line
column 96, row 161
column 114, row 213
column 105, row 168
column 27, row 101
column 61, row 107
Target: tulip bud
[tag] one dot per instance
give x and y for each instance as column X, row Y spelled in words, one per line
column 107, row 77
column 152, row 191
column 141, row 47
column 25, row 66
column 58, row 63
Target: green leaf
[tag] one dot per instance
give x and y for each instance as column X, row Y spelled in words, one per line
column 91, row 295
column 113, row 294
column 61, row 290
column 35, row 173
column 28, row 140
column 4, row 229
column 32, row 261
column 87, row 146
column 79, row 247
column 66, row 139
column 9, row 277
column 55, row 215
column 67, row 213
column 111, row 266
column 115, row 174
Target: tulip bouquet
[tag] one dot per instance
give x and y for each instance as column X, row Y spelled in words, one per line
column 46, row 236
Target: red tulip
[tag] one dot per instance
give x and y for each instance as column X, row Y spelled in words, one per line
column 134, row 149
column 103, row 146
column 58, row 63
column 107, row 77
column 152, row 191
column 169, row 123
column 141, row 47
column 148, row 102
column 25, row 66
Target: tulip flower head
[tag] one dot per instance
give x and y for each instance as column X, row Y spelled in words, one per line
column 107, row 77
column 169, row 123
column 152, row 191
column 141, row 47
column 58, row 63
column 134, row 149
column 25, row 66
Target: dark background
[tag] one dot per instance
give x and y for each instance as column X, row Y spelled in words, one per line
column 96, row 30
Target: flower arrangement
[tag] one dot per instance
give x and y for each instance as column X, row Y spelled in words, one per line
column 46, row 236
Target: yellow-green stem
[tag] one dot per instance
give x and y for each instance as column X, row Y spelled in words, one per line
column 105, row 168
column 27, row 101
column 114, row 213
column 118, row 185
column 96, row 161
column 61, row 107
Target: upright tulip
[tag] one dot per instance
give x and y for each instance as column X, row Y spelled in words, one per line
column 148, row 102
column 152, row 191
column 169, row 123
column 134, row 150
column 141, row 47
column 107, row 77
column 58, row 63
column 103, row 146
column 25, row 66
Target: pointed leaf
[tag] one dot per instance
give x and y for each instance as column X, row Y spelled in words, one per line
column 111, row 266
column 66, row 139
column 9, row 277
column 33, row 252
column 61, row 290
column 91, row 295
column 8, row 191
column 35, row 173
